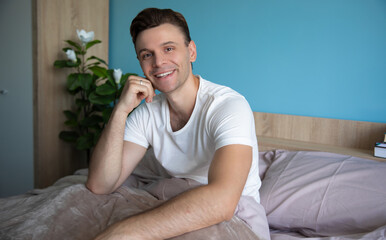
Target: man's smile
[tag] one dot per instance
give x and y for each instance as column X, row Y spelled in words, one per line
column 164, row 74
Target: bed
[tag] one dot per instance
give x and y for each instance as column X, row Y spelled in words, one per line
column 319, row 181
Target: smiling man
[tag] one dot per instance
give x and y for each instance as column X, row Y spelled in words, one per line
column 198, row 130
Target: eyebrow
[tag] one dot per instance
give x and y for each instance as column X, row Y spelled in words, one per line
column 163, row 44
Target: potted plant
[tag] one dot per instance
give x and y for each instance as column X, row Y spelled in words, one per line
column 96, row 89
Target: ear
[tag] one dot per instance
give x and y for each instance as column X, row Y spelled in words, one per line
column 192, row 51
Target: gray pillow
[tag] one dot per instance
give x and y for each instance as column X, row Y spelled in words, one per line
column 324, row 194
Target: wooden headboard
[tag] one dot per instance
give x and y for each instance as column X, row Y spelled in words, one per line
column 290, row 132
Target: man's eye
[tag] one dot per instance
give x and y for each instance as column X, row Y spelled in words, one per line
column 146, row 55
column 168, row 49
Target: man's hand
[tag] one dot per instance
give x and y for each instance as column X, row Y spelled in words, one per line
column 136, row 89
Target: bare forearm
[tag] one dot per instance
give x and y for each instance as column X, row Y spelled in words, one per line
column 192, row 210
column 108, row 169
column 188, row 212
column 106, row 161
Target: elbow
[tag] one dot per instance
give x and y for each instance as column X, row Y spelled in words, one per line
column 229, row 217
column 229, row 213
column 228, row 209
column 224, row 203
column 92, row 187
column 95, row 188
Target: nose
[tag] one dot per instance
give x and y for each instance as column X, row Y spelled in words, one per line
column 158, row 59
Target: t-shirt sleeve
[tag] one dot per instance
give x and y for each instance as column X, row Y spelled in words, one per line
column 135, row 126
column 232, row 122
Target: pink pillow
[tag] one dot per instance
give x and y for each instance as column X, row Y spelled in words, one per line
column 324, row 194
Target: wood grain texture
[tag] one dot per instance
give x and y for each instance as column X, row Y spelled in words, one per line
column 54, row 22
column 310, row 133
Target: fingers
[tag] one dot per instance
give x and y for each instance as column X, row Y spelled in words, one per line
column 135, row 90
column 142, row 87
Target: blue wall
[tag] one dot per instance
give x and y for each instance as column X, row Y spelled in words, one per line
column 323, row 58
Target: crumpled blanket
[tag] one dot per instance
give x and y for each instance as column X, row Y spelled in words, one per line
column 68, row 210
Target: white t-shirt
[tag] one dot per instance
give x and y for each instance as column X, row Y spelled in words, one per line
column 221, row 117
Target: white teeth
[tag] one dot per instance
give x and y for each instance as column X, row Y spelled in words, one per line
column 164, row 74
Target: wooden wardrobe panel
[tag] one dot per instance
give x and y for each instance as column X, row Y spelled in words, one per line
column 54, row 22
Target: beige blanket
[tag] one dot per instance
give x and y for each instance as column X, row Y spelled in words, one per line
column 68, row 210
column 347, row 193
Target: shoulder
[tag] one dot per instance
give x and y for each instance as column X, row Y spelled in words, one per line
column 220, row 98
column 216, row 90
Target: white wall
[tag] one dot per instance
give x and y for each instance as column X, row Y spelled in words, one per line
column 16, row 107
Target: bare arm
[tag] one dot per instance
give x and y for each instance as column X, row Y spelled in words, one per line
column 113, row 159
column 195, row 209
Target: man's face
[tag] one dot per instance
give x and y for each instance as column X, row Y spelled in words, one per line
column 164, row 57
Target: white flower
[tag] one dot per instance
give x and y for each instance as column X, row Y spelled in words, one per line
column 71, row 55
column 117, row 75
column 84, row 36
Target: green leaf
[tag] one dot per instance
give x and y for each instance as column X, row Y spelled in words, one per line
column 99, row 107
column 70, row 115
column 85, row 80
column 72, row 81
column 74, row 92
column 92, row 64
column 92, row 43
column 81, row 102
column 124, row 78
column 110, row 76
column 72, row 118
column 71, row 123
column 74, row 44
column 71, row 64
column 98, row 59
column 68, row 136
column 66, row 63
column 99, row 71
column 60, row 63
column 85, row 142
column 91, row 121
column 105, row 89
column 102, row 100
column 97, row 136
column 66, row 48
column 106, row 114
column 82, row 80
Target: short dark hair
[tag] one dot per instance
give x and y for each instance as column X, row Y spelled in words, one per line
column 153, row 17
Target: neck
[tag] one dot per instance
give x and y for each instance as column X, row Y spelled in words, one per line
column 182, row 102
